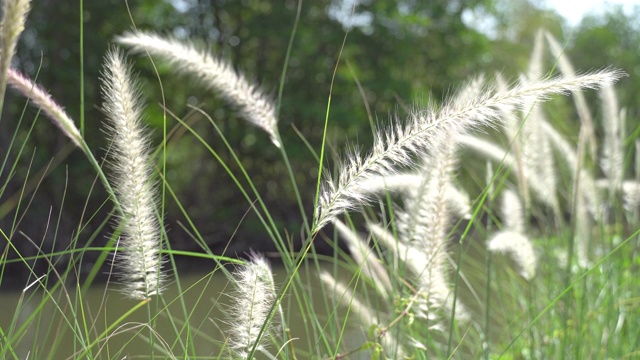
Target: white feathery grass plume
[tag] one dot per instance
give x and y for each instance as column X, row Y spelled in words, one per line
column 397, row 146
column 587, row 130
column 253, row 298
column 424, row 225
column 457, row 199
column 511, row 240
column 630, row 192
column 537, row 155
column 512, row 212
column 497, row 154
column 43, row 100
column 513, row 131
column 511, row 122
column 429, row 277
column 366, row 258
column 14, row 15
column 631, row 195
column 587, row 199
column 412, row 218
column 367, row 318
column 458, row 202
column 519, row 247
column 612, row 159
column 471, row 90
column 434, row 295
column 140, row 259
column 404, row 183
column 214, row 73
column 535, row 71
column 582, row 233
column 585, row 181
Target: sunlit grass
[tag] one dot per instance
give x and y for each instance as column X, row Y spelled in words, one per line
column 569, row 309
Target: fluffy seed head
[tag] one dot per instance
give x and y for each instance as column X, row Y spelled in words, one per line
column 457, row 200
column 215, row 74
column 14, row 15
column 512, row 212
column 428, row 272
column 43, row 100
column 397, row 146
column 519, row 247
column 131, row 163
column 587, row 130
column 631, row 195
column 253, row 299
column 612, row 160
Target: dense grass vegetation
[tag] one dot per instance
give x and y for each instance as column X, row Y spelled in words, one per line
column 501, row 222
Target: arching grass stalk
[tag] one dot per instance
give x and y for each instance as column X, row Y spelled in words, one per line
column 213, row 73
column 397, row 145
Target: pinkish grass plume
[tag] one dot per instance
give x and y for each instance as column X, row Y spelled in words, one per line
column 40, row 98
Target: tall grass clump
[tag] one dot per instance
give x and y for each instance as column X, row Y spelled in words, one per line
column 424, row 260
column 418, row 234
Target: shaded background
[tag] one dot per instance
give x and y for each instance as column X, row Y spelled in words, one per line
column 400, row 52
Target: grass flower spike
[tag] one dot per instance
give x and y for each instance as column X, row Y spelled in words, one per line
column 586, row 120
column 140, row 260
column 612, row 159
column 512, row 239
column 44, row 101
column 253, row 299
column 14, row 14
column 519, row 247
column 216, row 74
column 397, row 146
